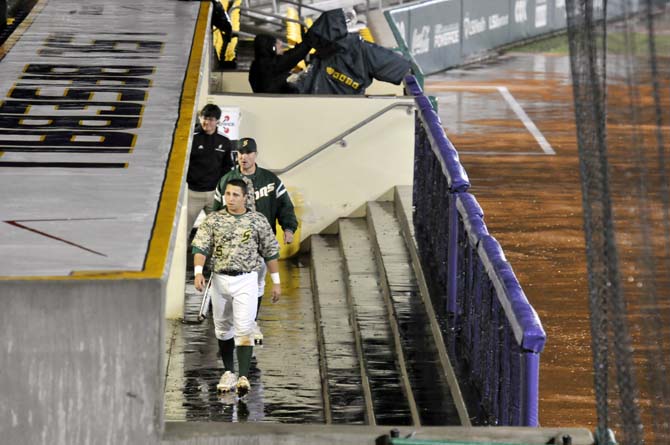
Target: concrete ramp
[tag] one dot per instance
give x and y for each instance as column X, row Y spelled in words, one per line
column 97, row 107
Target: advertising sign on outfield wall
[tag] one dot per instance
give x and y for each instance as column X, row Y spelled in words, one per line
column 440, row 34
column 432, row 32
column 485, row 25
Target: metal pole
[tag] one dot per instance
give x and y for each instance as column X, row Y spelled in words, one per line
column 530, row 388
column 3, row 15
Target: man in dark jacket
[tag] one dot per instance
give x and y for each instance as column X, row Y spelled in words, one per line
column 346, row 64
column 211, row 158
column 269, row 70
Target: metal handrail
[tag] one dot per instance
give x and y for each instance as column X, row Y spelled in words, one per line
column 303, row 5
column 259, row 14
column 340, row 137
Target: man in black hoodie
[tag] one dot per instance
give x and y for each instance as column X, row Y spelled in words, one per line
column 269, row 70
column 344, row 63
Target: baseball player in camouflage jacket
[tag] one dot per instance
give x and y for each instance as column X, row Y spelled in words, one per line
column 267, row 195
column 239, row 241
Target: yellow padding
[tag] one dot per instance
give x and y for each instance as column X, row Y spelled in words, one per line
column 293, row 35
column 288, row 250
column 217, row 34
column 366, row 35
column 217, row 41
column 235, row 15
column 230, row 50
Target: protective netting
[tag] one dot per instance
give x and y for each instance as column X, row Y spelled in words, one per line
column 620, row 71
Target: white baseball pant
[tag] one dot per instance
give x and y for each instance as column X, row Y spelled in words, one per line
column 234, row 303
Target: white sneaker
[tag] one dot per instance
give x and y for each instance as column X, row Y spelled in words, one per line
column 243, row 386
column 227, row 383
column 258, row 335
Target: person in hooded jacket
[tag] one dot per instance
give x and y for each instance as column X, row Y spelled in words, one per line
column 344, row 63
column 269, row 70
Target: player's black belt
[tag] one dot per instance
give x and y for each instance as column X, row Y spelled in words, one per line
column 232, row 273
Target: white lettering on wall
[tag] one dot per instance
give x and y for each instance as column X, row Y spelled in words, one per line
column 520, row 14
column 541, row 13
column 401, row 30
column 498, row 21
column 473, row 27
column 446, row 35
column 420, row 40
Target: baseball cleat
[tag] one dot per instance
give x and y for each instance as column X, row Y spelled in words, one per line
column 243, row 386
column 227, row 383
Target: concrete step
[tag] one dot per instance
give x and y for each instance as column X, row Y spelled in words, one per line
column 339, row 363
column 426, row 374
column 385, row 384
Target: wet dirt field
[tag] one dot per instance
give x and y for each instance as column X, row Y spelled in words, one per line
column 532, row 205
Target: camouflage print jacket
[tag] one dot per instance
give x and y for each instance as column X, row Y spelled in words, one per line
column 236, row 242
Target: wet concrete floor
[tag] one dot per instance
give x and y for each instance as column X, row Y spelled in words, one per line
column 532, row 205
column 289, row 369
column 286, row 386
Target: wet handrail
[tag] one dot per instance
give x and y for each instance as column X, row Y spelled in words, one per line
column 340, row 137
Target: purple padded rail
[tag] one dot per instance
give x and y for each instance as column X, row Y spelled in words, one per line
column 505, row 340
column 472, row 216
column 524, row 320
column 442, row 147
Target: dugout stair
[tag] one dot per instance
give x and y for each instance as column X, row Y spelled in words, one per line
column 382, row 357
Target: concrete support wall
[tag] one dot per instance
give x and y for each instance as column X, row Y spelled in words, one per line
column 176, row 284
column 80, row 362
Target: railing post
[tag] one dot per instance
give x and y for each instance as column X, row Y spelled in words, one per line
column 452, row 257
column 530, row 390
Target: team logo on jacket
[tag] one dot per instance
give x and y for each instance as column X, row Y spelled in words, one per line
column 342, row 78
column 265, row 191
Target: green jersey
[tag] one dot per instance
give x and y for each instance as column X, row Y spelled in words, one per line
column 268, row 195
column 236, row 242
